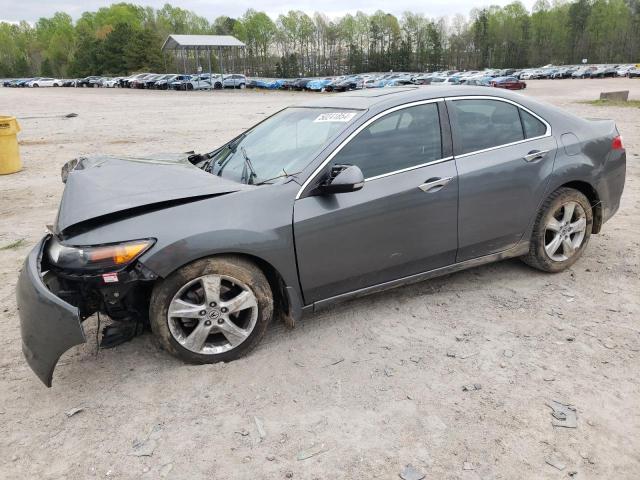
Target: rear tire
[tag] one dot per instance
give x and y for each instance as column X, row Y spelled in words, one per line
column 561, row 231
column 212, row 285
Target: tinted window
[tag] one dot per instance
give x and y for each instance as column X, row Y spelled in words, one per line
column 401, row 139
column 532, row 126
column 481, row 124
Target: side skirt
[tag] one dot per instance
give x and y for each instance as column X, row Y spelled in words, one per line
column 517, row 251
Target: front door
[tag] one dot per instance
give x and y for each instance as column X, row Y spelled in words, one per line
column 504, row 156
column 402, row 222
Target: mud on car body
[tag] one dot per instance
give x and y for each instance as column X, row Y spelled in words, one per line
column 319, row 203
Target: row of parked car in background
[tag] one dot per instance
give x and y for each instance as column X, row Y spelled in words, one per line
column 511, row 79
column 159, row 81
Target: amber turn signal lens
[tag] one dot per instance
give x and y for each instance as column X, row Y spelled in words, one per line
column 118, row 254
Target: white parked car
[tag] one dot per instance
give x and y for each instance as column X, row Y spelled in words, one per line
column 530, row 74
column 192, row 83
column 234, row 81
column 111, row 82
column 623, row 70
column 45, row 82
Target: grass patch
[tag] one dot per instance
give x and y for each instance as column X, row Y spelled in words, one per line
column 13, row 245
column 611, row 103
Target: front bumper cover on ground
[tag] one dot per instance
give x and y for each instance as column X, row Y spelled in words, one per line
column 49, row 325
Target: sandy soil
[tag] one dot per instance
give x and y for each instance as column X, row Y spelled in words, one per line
column 363, row 389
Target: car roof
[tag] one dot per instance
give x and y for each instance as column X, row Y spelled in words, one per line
column 390, row 96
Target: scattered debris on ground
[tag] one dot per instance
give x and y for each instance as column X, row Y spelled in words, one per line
column 471, row 387
column 74, row 411
column 312, row 451
column 260, row 428
column 564, row 415
column 556, row 462
column 144, row 449
column 410, row 473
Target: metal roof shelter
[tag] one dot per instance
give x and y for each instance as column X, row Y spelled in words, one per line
column 202, row 43
column 180, row 42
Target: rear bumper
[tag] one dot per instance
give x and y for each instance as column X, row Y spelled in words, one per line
column 49, row 325
column 613, row 186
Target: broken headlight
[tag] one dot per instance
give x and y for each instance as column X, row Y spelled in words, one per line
column 96, row 258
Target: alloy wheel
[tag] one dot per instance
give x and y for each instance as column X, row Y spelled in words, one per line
column 565, row 231
column 212, row 314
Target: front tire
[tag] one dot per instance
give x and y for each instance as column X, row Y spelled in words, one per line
column 212, row 310
column 561, row 231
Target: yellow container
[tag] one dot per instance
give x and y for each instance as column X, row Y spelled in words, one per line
column 9, row 154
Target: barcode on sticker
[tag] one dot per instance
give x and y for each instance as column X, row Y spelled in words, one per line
column 110, row 277
column 335, row 117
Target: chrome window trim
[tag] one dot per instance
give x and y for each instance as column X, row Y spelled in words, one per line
column 506, row 100
column 423, row 102
column 408, row 169
column 358, row 130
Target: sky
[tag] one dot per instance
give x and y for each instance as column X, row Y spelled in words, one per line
column 31, row 10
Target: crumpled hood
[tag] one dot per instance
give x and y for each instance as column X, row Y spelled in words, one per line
column 101, row 185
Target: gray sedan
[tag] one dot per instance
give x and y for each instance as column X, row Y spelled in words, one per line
column 338, row 198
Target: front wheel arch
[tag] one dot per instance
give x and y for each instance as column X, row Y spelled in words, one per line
column 287, row 299
column 246, row 272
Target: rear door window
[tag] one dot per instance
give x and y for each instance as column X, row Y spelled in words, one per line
column 483, row 123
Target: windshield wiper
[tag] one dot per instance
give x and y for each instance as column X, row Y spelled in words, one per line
column 222, row 162
column 248, row 166
column 285, row 174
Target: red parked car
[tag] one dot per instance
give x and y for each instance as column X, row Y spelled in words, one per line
column 510, row 83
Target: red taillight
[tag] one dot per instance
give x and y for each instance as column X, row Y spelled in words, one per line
column 617, row 144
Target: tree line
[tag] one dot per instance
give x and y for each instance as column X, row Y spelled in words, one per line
column 125, row 38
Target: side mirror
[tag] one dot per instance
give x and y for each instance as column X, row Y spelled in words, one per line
column 343, row 179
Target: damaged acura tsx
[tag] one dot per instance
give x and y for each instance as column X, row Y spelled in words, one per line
column 322, row 202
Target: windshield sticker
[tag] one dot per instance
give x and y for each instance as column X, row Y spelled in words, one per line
column 335, row 117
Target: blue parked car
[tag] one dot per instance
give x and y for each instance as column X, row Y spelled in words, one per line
column 318, row 84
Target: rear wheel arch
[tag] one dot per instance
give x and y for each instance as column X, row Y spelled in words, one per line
column 594, row 199
column 555, row 227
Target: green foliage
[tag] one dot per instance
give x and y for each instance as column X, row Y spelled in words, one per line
column 124, row 38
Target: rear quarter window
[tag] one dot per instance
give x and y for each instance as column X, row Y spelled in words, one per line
column 531, row 125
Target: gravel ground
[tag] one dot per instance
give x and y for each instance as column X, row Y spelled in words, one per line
column 358, row 391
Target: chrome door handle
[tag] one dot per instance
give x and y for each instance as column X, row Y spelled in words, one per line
column 434, row 185
column 534, row 155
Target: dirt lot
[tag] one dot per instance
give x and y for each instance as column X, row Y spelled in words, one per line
column 363, row 389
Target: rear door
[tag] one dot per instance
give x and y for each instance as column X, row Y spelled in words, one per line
column 402, row 222
column 504, row 154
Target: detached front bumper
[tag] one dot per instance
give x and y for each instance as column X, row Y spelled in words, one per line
column 49, row 325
